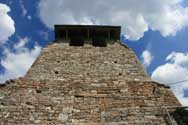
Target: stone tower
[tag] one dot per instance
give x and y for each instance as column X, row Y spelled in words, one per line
column 87, row 77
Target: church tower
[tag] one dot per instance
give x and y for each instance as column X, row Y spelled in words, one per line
column 86, row 76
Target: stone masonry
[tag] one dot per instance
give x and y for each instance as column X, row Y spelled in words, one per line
column 85, row 85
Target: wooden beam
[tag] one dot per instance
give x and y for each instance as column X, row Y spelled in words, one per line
column 109, row 34
column 67, row 34
column 88, row 32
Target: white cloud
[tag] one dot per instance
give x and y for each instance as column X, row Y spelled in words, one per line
column 146, row 58
column 24, row 11
column 135, row 16
column 29, row 17
column 18, row 62
column 7, row 27
column 178, row 58
column 21, row 43
column 176, row 69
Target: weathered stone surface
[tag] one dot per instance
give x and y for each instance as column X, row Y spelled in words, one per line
column 61, row 61
column 87, row 86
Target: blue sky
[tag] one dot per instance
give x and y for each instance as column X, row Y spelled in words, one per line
column 158, row 35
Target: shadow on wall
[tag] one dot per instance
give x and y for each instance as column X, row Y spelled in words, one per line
column 181, row 115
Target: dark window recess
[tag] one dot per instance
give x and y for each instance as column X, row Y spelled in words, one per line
column 99, row 41
column 39, row 91
column 154, row 90
column 2, row 103
column 61, row 34
column 76, row 41
column 28, row 103
column 56, row 72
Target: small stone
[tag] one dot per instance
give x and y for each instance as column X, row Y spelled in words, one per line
column 136, row 80
column 63, row 117
column 32, row 118
column 7, row 115
column 37, row 121
column 124, row 90
column 2, row 96
column 48, row 108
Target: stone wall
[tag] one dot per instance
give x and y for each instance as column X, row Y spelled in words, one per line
column 63, row 102
column 85, row 85
column 59, row 60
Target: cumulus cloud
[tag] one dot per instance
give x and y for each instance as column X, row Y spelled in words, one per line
column 7, row 27
column 146, row 58
column 176, row 69
column 135, row 16
column 17, row 62
column 29, row 17
column 24, row 11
